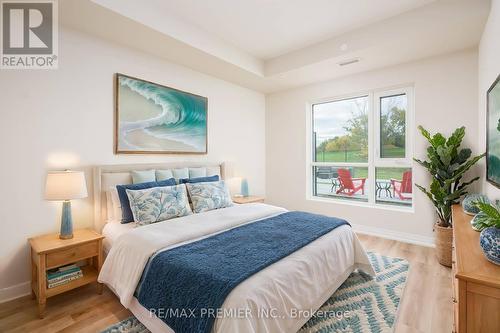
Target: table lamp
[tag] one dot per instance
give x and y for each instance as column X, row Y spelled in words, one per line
column 244, row 188
column 65, row 186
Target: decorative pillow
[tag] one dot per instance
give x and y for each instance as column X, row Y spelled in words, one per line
column 158, row 204
column 197, row 172
column 199, row 180
column 164, row 174
column 208, row 196
column 211, row 171
column 143, row 176
column 127, row 215
column 180, row 173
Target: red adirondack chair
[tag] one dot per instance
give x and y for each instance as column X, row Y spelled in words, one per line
column 347, row 185
column 400, row 187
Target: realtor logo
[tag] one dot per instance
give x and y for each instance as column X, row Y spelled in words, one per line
column 29, row 34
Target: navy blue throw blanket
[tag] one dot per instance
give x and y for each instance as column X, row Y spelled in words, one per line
column 185, row 285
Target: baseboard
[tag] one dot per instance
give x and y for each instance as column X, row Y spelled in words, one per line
column 394, row 235
column 16, row 291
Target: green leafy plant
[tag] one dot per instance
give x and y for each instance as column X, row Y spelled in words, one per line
column 447, row 163
column 489, row 216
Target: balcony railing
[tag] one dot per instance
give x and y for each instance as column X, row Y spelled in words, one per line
column 327, row 183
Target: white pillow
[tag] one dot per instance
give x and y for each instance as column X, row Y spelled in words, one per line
column 197, row 172
column 212, row 171
column 109, row 207
column 116, row 214
column 180, row 174
column 163, row 175
column 143, row 176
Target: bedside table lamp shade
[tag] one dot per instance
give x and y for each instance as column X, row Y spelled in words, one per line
column 65, row 186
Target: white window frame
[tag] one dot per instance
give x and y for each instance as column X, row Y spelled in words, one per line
column 400, row 161
column 374, row 159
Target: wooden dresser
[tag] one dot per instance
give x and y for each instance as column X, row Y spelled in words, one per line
column 476, row 281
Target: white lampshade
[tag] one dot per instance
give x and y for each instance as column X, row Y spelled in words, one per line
column 65, row 185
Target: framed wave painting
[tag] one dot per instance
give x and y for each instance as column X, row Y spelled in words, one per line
column 493, row 134
column 155, row 119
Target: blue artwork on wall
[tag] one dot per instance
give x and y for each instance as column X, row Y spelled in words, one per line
column 151, row 118
column 493, row 134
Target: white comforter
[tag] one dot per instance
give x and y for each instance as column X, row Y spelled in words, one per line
column 320, row 268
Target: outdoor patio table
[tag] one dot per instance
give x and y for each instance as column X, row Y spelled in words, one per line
column 383, row 185
column 335, row 184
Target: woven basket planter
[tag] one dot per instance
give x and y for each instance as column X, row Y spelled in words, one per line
column 444, row 243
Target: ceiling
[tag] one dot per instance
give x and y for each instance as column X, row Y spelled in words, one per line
column 273, row 45
column 270, row 28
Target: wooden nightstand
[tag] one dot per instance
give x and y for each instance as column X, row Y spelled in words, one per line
column 48, row 251
column 249, row 199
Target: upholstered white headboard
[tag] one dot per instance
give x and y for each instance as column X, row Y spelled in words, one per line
column 106, row 176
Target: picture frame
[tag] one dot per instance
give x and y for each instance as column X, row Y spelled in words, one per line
column 151, row 118
column 493, row 133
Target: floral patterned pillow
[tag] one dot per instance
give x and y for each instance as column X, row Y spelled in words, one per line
column 158, row 204
column 208, row 196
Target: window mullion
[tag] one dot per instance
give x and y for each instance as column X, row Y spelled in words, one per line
column 371, row 149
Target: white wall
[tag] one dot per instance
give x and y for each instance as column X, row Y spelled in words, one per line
column 489, row 70
column 445, row 91
column 64, row 119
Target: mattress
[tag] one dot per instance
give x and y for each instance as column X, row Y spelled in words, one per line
column 112, row 230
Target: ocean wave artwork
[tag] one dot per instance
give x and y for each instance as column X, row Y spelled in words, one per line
column 151, row 118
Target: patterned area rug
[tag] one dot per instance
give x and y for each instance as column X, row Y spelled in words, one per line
column 360, row 305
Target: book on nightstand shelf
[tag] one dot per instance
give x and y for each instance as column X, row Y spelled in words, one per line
column 63, row 275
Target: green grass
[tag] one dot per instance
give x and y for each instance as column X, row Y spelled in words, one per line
column 390, row 173
column 340, row 156
column 393, row 151
column 356, row 156
column 360, row 173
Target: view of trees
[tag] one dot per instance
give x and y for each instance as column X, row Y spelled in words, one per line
column 392, row 127
column 353, row 145
column 356, row 138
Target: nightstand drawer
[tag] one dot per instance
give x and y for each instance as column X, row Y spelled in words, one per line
column 72, row 254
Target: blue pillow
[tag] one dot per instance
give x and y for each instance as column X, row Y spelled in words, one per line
column 199, row 180
column 127, row 215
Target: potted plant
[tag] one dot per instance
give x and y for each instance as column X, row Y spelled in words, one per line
column 447, row 164
column 488, row 222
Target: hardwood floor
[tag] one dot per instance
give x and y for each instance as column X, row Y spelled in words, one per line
column 426, row 305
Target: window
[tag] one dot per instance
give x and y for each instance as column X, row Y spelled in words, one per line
column 361, row 148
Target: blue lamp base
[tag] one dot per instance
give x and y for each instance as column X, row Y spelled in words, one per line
column 244, row 187
column 66, row 221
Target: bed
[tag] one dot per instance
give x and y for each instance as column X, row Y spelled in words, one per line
column 292, row 287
